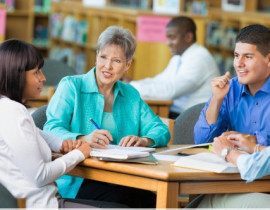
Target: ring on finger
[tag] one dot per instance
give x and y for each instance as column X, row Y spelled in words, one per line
column 98, row 140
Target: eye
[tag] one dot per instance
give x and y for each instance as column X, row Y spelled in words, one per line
column 116, row 60
column 103, row 57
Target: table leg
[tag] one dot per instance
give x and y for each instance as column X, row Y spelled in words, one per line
column 167, row 194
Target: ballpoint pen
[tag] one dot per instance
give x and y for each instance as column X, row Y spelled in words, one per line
column 97, row 127
column 94, row 123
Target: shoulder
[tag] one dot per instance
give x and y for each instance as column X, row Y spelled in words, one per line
column 128, row 90
column 10, row 108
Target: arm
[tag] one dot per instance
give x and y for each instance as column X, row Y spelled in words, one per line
column 60, row 111
column 251, row 166
column 152, row 131
column 30, row 152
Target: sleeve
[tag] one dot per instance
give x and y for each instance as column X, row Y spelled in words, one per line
column 262, row 138
column 187, row 79
column 152, row 127
column 203, row 132
column 254, row 166
column 60, row 110
column 30, row 154
column 53, row 142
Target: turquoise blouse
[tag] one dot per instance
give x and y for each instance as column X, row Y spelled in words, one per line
column 77, row 99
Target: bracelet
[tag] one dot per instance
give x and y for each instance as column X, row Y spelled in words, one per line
column 256, row 149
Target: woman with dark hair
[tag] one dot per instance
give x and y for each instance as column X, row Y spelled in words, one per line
column 26, row 167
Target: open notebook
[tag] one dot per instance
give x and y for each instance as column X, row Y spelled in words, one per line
column 121, row 153
column 207, row 162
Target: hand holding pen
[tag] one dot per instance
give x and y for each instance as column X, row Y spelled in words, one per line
column 99, row 138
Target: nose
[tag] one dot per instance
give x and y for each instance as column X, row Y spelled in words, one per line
column 239, row 61
column 108, row 63
column 42, row 77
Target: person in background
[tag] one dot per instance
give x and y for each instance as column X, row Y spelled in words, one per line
column 117, row 109
column 26, row 166
column 187, row 77
column 253, row 164
column 241, row 104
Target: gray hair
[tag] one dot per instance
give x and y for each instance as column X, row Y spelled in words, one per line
column 118, row 36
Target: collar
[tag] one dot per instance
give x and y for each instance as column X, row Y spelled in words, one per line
column 265, row 88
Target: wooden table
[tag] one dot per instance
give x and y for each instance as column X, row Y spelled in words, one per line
column 167, row 181
column 159, row 107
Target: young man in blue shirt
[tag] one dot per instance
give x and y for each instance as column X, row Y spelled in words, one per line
column 241, row 104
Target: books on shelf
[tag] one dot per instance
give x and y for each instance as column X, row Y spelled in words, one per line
column 206, row 162
column 121, row 153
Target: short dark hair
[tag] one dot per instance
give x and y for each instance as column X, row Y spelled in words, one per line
column 184, row 25
column 16, row 57
column 258, row 35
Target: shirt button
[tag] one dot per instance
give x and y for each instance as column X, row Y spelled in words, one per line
column 254, row 122
column 256, row 103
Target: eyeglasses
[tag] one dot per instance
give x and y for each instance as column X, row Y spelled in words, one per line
column 115, row 61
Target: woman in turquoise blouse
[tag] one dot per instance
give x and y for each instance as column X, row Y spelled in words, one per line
column 124, row 118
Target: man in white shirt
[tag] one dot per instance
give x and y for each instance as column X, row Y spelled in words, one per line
column 186, row 79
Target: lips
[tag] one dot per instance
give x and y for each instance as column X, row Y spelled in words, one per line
column 106, row 74
column 242, row 73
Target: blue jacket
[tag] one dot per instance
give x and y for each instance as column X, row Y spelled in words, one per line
column 77, row 99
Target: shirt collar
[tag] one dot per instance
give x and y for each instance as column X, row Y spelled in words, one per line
column 264, row 88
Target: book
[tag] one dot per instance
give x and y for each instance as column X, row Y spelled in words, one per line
column 116, row 153
column 175, row 151
column 207, row 162
column 137, row 149
column 150, row 160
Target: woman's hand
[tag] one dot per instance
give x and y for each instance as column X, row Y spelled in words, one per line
column 68, row 145
column 135, row 141
column 98, row 138
column 244, row 142
column 221, row 143
column 85, row 148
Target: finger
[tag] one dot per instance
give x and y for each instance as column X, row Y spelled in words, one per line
column 132, row 141
column 124, row 141
column 139, row 142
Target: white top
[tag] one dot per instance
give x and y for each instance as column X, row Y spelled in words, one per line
column 26, row 168
column 186, row 79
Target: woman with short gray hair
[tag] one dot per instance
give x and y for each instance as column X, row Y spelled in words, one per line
column 116, row 108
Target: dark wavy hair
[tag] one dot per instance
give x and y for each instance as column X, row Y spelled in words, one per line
column 16, row 57
column 258, row 35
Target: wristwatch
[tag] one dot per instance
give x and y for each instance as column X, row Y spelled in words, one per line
column 225, row 152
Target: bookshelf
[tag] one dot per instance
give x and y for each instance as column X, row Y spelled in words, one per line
column 149, row 59
column 28, row 21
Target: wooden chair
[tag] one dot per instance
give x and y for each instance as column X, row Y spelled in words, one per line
column 170, row 124
column 8, row 201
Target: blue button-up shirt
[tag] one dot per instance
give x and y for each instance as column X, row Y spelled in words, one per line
column 240, row 111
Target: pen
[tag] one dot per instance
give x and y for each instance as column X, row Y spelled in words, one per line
column 97, row 127
column 94, row 123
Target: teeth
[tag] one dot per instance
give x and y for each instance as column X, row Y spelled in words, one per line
column 107, row 74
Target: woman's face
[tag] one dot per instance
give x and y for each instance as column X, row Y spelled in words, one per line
column 111, row 64
column 33, row 85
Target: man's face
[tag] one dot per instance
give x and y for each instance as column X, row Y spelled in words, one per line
column 176, row 40
column 251, row 66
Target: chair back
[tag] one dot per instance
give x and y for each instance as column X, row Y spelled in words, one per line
column 40, row 117
column 184, row 124
column 55, row 70
column 170, row 124
column 6, row 199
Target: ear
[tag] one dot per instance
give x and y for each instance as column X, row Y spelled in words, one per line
column 268, row 59
column 189, row 37
column 128, row 64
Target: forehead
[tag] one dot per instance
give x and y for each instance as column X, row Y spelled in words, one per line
column 114, row 49
column 172, row 31
column 245, row 48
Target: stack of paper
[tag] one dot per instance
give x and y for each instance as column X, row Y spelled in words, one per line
column 206, row 162
column 119, row 153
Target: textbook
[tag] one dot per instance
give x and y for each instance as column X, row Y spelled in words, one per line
column 137, row 149
column 116, row 153
column 207, row 162
column 150, row 160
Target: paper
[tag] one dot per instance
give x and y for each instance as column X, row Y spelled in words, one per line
column 206, row 162
column 176, row 150
column 120, row 154
column 137, row 149
column 151, row 29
